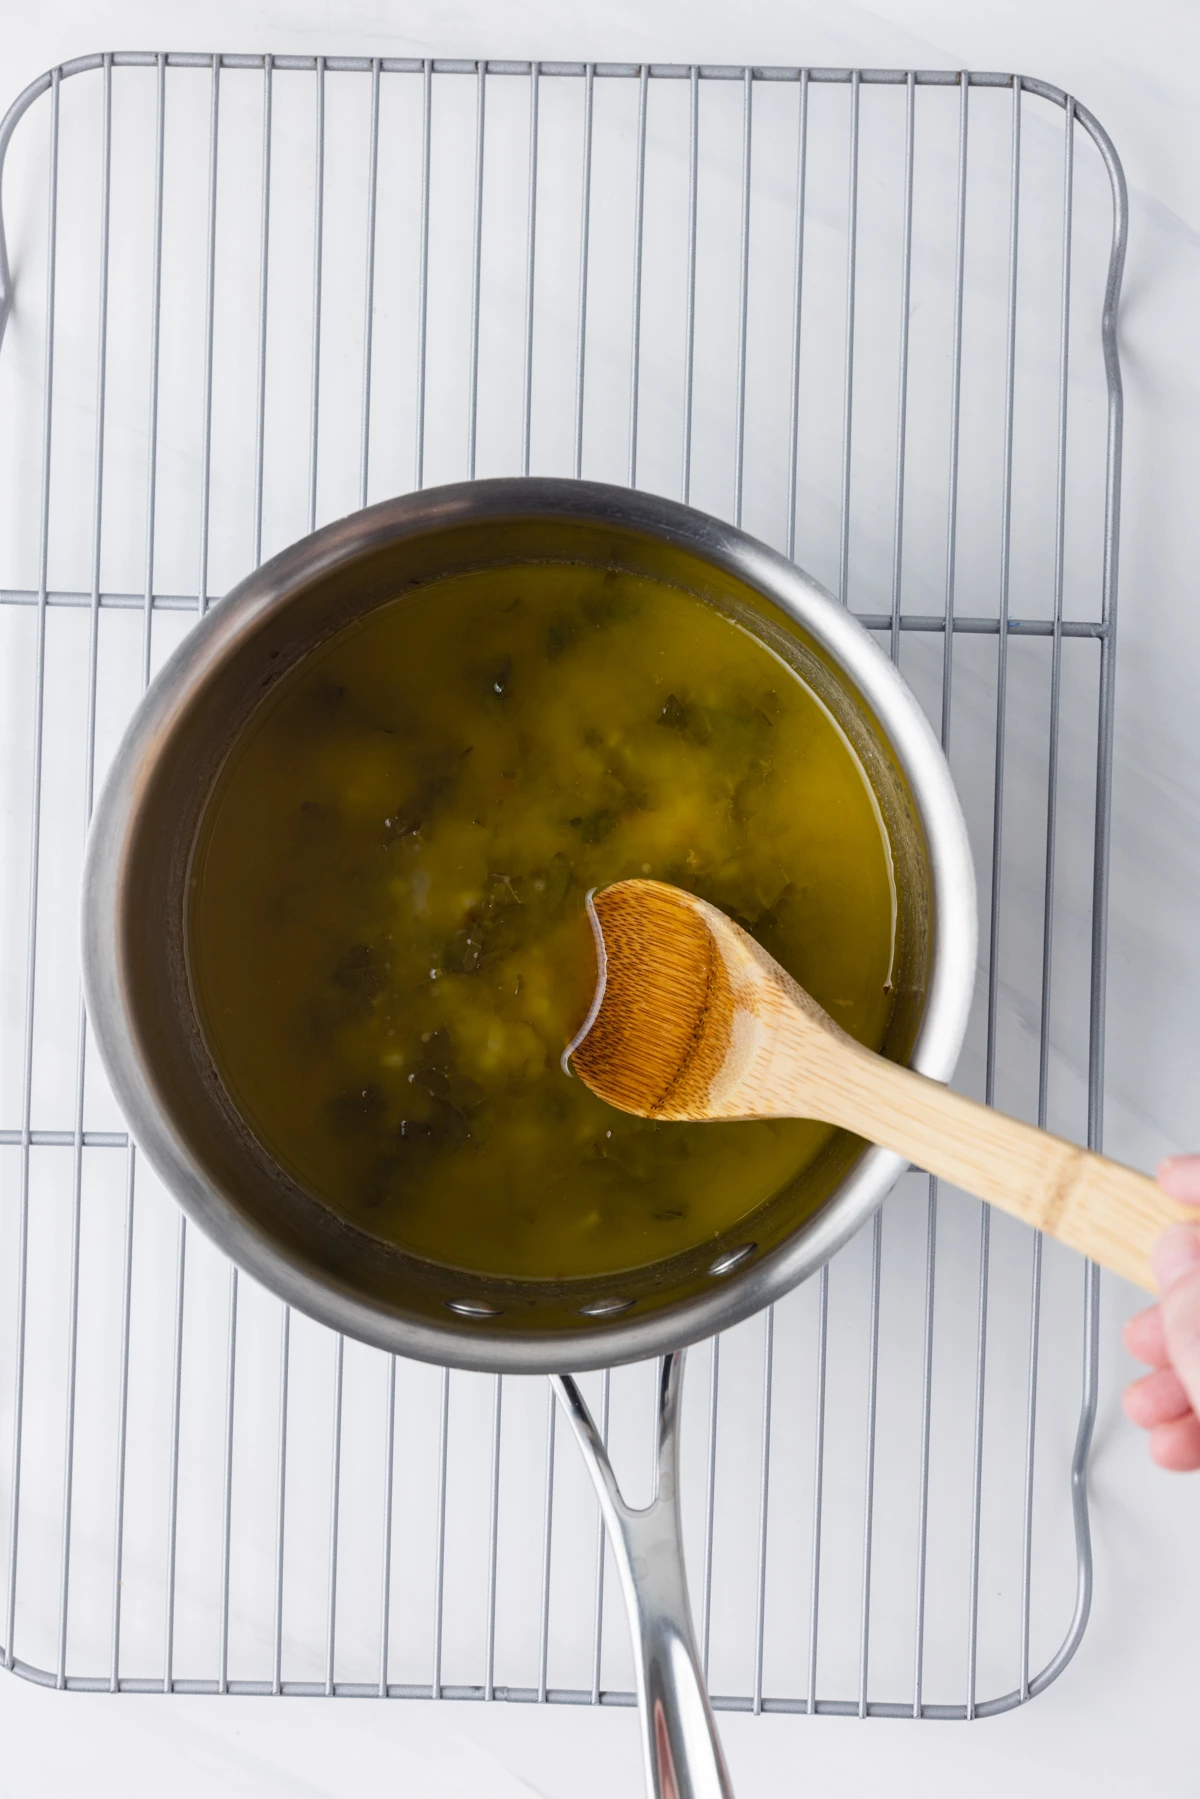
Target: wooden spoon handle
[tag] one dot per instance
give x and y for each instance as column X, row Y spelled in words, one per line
column 1097, row 1206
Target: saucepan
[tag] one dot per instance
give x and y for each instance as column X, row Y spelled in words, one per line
column 142, row 1013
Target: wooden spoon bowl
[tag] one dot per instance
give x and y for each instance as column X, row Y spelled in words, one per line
column 694, row 1020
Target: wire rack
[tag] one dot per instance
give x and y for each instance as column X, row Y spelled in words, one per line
column 870, row 316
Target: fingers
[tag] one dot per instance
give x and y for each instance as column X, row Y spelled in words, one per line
column 1167, row 1336
column 1157, row 1398
column 1177, row 1270
column 1180, row 1177
column 1144, row 1338
column 1176, row 1444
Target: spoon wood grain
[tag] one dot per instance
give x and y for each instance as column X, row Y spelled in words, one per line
column 694, row 1020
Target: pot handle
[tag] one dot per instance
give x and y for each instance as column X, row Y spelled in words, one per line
column 682, row 1751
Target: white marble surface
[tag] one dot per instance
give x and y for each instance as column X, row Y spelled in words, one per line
column 1123, row 1717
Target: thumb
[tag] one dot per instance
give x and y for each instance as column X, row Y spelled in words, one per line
column 1177, row 1270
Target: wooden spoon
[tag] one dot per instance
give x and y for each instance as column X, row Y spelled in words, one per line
column 693, row 1020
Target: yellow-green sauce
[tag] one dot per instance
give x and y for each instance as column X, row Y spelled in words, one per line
column 387, row 937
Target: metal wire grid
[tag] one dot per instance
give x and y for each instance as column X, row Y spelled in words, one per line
column 99, row 1569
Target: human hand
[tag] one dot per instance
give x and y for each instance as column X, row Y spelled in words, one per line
column 1166, row 1402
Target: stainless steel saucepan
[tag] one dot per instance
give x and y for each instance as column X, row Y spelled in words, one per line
column 138, row 997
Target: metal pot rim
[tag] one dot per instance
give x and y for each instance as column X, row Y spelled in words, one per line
column 735, row 1292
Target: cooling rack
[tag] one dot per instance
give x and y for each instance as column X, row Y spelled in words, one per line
column 870, row 316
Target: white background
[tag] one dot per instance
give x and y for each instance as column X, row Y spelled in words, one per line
column 1123, row 1718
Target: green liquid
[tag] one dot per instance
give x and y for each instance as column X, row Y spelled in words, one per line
column 387, row 937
